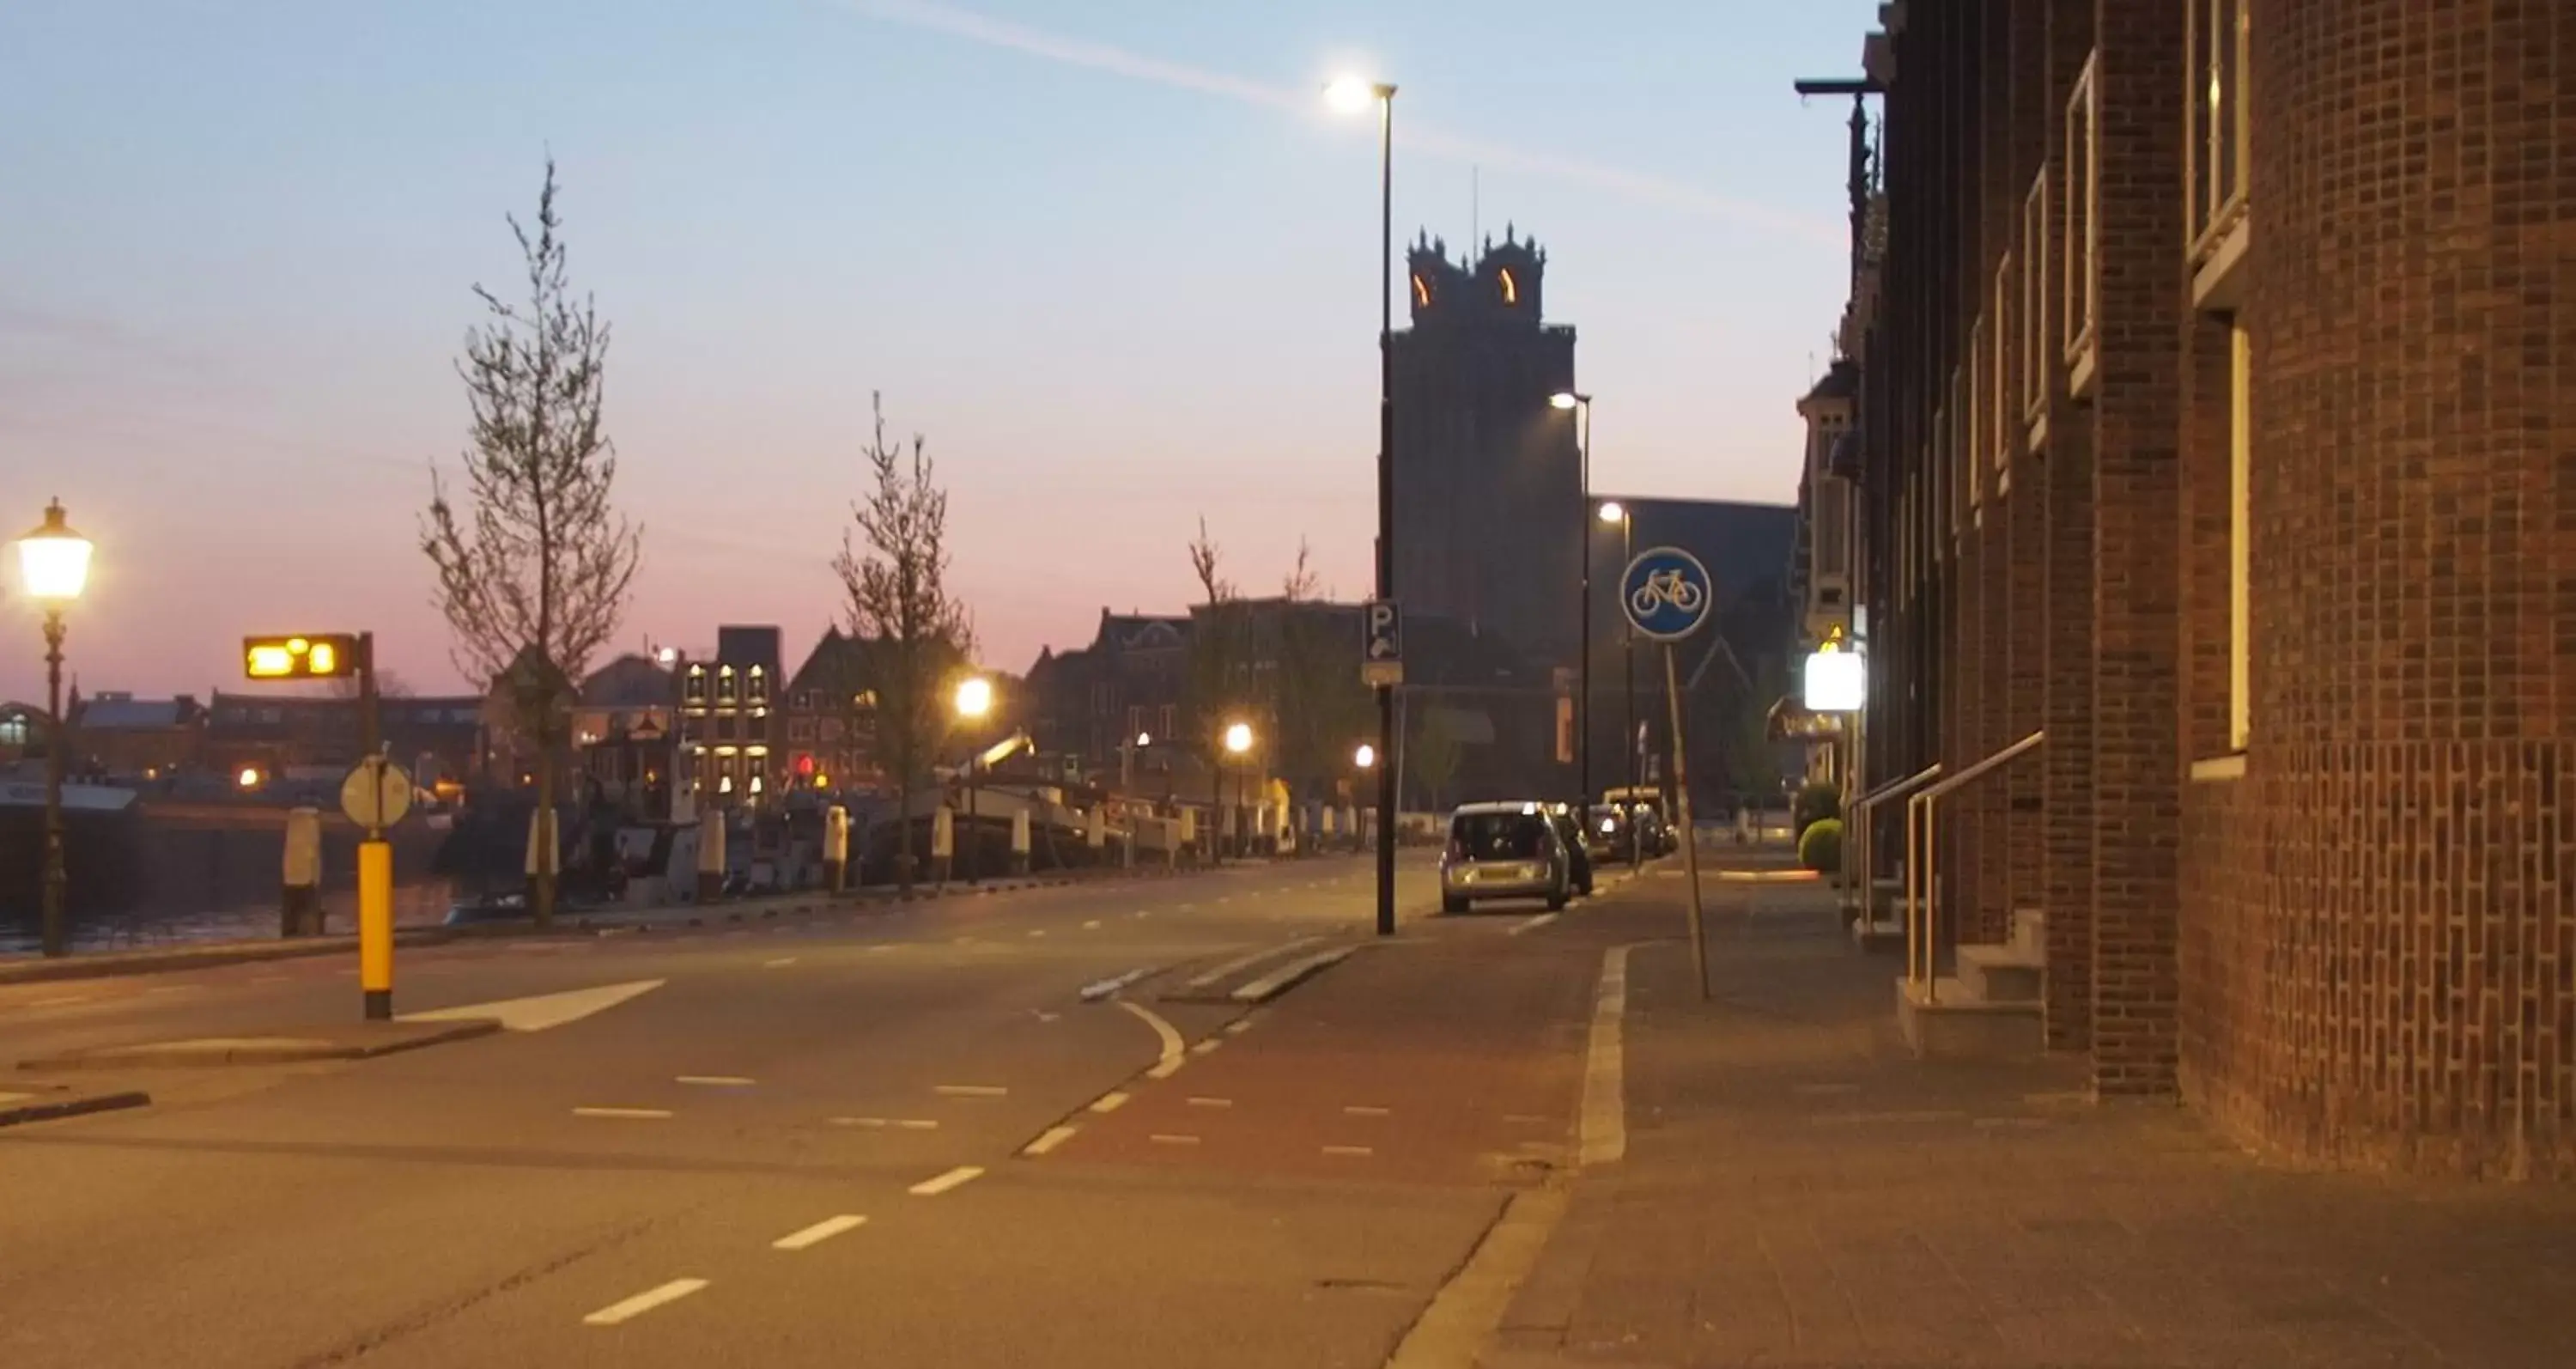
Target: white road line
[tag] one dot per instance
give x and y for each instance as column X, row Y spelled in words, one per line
column 1164, row 1032
column 176, row 988
column 1349, row 1152
column 1091, row 926
column 1240, row 1025
column 717, row 1081
column 886, row 1123
column 60, row 1002
column 1037, row 931
column 1049, row 1140
column 880, row 948
column 1144, row 912
column 1604, row 1129
column 1362, row 1110
column 1167, row 1067
column 1211, row 1102
column 969, row 1090
column 1532, row 925
column 780, row 963
column 1461, row 1321
column 1248, row 960
column 1109, row 1102
column 1163, row 1138
column 628, row 1114
column 1267, row 986
column 643, row 1302
column 818, row 1233
column 1207, row 1047
column 270, row 978
column 955, row 1178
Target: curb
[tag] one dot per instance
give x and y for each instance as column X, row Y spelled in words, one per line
column 272, row 1050
column 76, row 1105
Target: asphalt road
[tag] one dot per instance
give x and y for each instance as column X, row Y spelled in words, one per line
column 902, row 1137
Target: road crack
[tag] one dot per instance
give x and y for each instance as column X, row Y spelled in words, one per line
column 377, row 1338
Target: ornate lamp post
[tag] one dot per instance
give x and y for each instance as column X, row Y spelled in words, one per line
column 53, row 567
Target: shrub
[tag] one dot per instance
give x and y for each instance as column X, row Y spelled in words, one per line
column 1815, row 803
column 1820, row 846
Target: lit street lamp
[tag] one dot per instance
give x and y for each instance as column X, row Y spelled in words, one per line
column 1582, row 403
column 1352, row 94
column 53, row 567
column 1238, row 740
column 1365, row 757
column 1612, row 511
column 974, row 703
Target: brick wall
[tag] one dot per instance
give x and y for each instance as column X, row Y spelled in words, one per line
column 2403, row 836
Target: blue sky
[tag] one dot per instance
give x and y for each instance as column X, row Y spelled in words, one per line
column 1111, row 256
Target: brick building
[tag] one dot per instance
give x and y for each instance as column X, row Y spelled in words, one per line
column 2218, row 391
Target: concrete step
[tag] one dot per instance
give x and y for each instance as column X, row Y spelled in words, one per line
column 2007, row 973
column 1953, row 1023
column 1880, row 936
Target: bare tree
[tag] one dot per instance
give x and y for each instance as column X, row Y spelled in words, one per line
column 1301, row 582
column 536, row 566
column 388, row 686
column 894, row 566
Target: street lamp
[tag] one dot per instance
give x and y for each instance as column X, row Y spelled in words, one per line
column 1353, row 94
column 1238, row 740
column 1365, row 757
column 1612, row 511
column 974, row 702
column 1582, row 403
column 53, row 567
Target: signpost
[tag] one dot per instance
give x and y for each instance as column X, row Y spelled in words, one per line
column 1667, row 595
column 375, row 796
column 1382, row 653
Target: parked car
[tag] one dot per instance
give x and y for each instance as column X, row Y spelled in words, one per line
column 1610, row 831
column 1503, row 850
column 1578, row 852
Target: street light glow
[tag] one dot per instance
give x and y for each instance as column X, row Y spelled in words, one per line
column 53, row 560
column 1365, row 757
column 974, row 697
column 1144, row 739
column 1351, row 94
column 1563, row 399
column 1238, row 738
column 1614, row 512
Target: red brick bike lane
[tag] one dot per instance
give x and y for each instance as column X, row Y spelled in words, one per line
column 1454, row 1057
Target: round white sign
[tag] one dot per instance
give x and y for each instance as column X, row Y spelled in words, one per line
column 376, row 794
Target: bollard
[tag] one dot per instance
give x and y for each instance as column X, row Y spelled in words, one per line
column 943, row 843
column 836, row 849
column 1095, row 829
column 711, row 855
column 376, row 928
column 1185, row 847
column 300, row 910
column 1020, row 842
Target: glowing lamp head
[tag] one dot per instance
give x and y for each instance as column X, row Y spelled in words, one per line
column 1614, row 513
column 1351, row 94
column 248, row 778
column 975, row 698
column 1365, row 757
column 1563, row 399
column 1238, row 738
column 53, row 560
column 1144, row 739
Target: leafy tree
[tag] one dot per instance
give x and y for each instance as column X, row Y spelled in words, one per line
column 893, row 566
column 535, row 565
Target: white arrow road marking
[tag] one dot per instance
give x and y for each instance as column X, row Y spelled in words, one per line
column 545, row 1010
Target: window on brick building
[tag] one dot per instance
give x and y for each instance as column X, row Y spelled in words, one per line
column 2034, row 305
column 2222, row 125
column 1972, row 448
column 2240, row 537
column 2000, row 427
column 1170, row 720
column 800, row 730
column 2083, row 289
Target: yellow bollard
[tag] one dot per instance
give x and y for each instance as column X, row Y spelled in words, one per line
column 376, row 927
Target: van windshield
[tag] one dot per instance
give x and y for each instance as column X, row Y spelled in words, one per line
column 1499, row 836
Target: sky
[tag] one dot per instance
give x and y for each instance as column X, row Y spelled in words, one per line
column 1115, row 259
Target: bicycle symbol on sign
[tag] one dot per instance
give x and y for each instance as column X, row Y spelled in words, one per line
column 1665, row 587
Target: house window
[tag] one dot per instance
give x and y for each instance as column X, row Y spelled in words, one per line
column 800, row 731
column 831, row 730
column 13, row 731
column 1170, row 720
column 2034, row 302
column 2083, row 274
column 2240, row 538
column 759, row 685
column 694, row 688
column 1999, row 372
column 2222, row 125
column 725, row 689
column 1135, row 719
column 1973, row 449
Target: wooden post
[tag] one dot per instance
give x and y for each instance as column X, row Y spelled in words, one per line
column 1689, row 838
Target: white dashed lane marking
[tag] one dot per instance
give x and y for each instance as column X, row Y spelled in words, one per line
column 643, row 1302
column 1049, row 1140
column 970, row 1090
column 818, row 1233
column 624, row 1114
column 887, row 1123
column 1109, row 1102
column 955, row 1178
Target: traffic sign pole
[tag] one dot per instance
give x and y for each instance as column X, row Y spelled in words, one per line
column 1667, row 595
column 1690, row 836
column 375, row 854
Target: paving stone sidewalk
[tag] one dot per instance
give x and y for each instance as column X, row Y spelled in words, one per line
column 1798, row 1190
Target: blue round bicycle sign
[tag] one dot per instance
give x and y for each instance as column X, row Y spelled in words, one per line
column 1666, row 593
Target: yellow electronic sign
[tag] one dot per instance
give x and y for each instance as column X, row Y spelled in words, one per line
column 315, row 656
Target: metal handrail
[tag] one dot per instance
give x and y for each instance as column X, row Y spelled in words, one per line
column 1863, row 833
column 1921, row 863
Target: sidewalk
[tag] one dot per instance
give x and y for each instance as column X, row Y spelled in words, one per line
column 1798, row 1190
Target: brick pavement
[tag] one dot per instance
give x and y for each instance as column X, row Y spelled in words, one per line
column 1799, row 1191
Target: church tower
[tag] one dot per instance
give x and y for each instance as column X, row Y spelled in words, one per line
column 1488, row 482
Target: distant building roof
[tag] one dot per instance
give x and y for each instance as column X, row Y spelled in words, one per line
column 124, row 712
column 630, row 681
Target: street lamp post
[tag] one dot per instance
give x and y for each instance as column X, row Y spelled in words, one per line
column 1616, row 512
column 1127, row 759
column 1353, row 94
column 974, row 701
column 53, row 564
column 1581, row 404
column 1238, row 740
